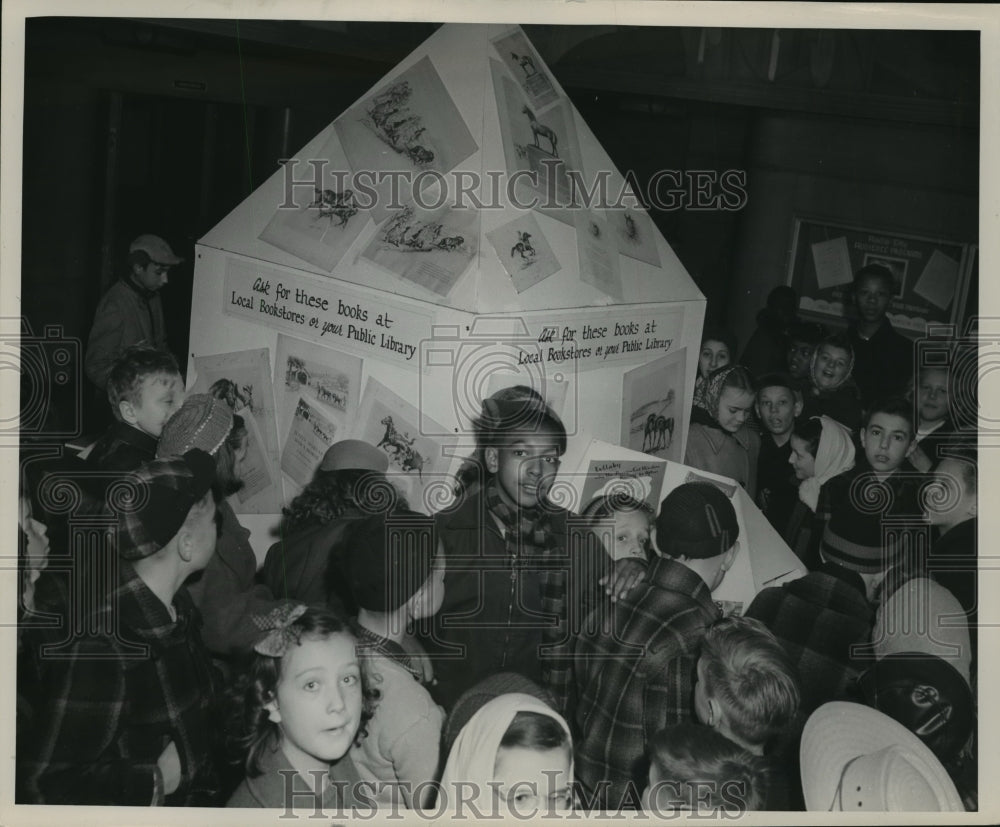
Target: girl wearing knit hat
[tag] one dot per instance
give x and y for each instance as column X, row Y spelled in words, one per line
column 226, row 593
column 719, row 440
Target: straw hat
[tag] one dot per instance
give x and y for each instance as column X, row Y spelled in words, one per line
column 855, row 759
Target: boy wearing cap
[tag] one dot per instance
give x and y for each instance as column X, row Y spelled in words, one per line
column 144, row 390
column 395, row 567
column 131, row 313
column 634, row 662
column 126, row 713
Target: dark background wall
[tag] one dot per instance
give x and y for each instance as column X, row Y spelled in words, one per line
column 135, row 126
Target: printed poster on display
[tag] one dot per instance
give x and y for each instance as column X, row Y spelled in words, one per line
column 597, row 254
column 544, row 145
column 653, row 407
column 318, row 225
column 617, row 480
column 634, row 232
column 243, row 379
column 410, row 124
column 522, row 61
column 311, row 434
column 930, row 276
column 328, row 379
column 416, row 462
column 432, row 248
column 524, row 252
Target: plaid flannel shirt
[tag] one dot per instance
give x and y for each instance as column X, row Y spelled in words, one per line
column 634, row 668
column 114, row 700
column 818, row 618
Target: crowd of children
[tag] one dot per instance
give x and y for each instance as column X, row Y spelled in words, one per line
column 503, row 658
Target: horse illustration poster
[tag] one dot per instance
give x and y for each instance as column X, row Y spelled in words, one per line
column 328, row 379
column 432, row 248
column 243, row 379
column 410, row 124
column 322, row 223
column 516, row 51
column 523, row 251
column 390, row 423
column 543, row 143
column 653, row 406
column 312, row 433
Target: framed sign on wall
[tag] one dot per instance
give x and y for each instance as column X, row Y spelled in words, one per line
column 931, row 275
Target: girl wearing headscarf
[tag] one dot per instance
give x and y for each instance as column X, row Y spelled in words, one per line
column 833, row 391
column 822, row 449
column 514, row 757
column 719, row 440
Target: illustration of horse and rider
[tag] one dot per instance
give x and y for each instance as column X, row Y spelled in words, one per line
column 400, row 448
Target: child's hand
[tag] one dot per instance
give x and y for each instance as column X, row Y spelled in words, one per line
column 628, row 571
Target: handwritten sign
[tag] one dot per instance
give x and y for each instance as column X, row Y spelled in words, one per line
column 331, row 314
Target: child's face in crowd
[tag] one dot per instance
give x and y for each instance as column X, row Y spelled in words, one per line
column 317, row 703
column 872, row 299
column 886, row 440
column 832, row 365
column 932, row 395
column 532, row 781
column 631, row 537
column 151, row 277
column 240, row 456
column 734, row 407
column 947, row 499
column 800, row 355
column 714, row 355
column 801, row 460
column 525, row 468
column 160, row 396
column 431, row 594
column 776, row 407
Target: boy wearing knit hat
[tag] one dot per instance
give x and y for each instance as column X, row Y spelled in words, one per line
column 634, row 661
column 126, row 713
column 395, row 567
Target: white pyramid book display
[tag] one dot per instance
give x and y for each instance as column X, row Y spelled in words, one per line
column 458, row 229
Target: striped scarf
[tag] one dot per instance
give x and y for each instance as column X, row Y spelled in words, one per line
column 528, row 536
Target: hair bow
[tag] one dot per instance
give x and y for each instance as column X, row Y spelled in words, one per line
column 276, row 625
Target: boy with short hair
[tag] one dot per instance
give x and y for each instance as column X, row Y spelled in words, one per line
column 778, row 404
column 803, row 337
column 883, row 359
column 395, row 569
column 747, row 688
column 634, row 662
column 144, row 389
column 934, row 426
column 126, row 713
column 514, row 579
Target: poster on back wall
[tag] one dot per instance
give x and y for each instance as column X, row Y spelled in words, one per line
column 931, row 276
